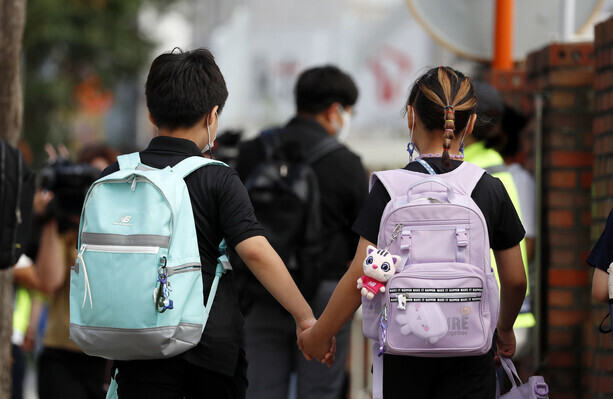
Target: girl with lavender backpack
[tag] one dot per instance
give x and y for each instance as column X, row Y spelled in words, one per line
column 435, row 362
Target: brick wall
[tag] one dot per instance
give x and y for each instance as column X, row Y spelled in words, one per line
column 563, row 74
column 598, row 357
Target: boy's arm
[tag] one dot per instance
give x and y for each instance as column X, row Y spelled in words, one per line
column 269, row 269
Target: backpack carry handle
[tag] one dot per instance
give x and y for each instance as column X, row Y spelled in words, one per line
column 431, row 180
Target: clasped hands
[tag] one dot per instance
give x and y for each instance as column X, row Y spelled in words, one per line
column 314, row 346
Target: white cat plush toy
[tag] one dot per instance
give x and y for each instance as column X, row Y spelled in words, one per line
column 379, row 266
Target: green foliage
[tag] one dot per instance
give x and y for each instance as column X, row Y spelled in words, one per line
column 67, row 41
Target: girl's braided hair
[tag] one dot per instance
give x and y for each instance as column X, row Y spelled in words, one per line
column 443, row 97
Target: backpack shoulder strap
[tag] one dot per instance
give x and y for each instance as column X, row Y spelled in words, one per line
column 128, row 161
column 188, row 165
column 321, row 149
column 270, row 141
column 396, row 181
column 464, row 179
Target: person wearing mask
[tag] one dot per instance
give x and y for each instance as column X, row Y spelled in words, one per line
column 441, row 110
column 325, row 97
column 186, row 93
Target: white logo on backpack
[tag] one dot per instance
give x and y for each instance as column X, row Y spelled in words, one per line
column 123, row 221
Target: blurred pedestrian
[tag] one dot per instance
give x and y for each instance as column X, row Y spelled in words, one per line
column 325, row 98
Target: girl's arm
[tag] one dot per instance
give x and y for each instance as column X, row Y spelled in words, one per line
column 345, row 300
column 512, row 293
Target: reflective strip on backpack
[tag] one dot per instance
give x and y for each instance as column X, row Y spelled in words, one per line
column 149, row 240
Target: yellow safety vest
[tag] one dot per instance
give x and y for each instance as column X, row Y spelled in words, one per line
column 21, row 312
column 477, row 154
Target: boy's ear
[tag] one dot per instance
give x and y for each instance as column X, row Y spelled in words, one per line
column 151, row 119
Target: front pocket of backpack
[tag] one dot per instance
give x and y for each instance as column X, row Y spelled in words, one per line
column 118, row 285
column 438, row 309
column 186, row 293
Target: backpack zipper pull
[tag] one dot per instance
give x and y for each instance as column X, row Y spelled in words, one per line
column 402, row 301
column 87, row 289
column 133, row 187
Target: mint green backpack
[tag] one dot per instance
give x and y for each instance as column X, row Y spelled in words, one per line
column 136, row 288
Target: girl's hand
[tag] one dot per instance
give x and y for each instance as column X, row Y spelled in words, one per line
column 505, row 343
column 320, row 348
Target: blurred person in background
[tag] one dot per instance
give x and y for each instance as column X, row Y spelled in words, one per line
column 64, row 371
column 324, row 97
column 480, row 150
column 512, row 151
column 600, row 258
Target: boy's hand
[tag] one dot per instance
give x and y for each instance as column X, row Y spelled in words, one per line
column 317, row 347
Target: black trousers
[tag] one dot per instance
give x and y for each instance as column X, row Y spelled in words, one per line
column 70, row 375
column 175, row 378
column 469, row 377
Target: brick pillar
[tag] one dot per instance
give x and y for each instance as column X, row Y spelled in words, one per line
column 599, row 347
column 510, row 84
column 563, row 75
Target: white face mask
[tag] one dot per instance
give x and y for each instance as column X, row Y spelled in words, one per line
column 343, row 131
column 209, row 146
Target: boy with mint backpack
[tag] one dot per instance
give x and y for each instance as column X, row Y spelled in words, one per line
column 151, row 288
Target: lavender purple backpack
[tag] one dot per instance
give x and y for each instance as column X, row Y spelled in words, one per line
column 443, row 300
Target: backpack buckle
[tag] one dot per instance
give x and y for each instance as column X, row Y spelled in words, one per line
column 406, row 240
column 461, row 237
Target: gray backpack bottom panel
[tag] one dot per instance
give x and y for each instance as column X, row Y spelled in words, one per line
column 136, row 344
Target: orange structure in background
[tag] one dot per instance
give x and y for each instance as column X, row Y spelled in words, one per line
column 503, row 35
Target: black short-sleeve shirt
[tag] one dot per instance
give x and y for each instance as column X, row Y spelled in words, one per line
column 504, row 226
column 222, row 209
column 602, row 253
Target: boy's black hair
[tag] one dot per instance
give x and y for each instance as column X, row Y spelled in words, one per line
column 318, row 88
column 183, row 87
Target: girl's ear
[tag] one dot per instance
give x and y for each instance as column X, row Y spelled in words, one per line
column 471, row 124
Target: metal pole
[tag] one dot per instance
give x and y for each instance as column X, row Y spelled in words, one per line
column 538, row 256
column 568, row 20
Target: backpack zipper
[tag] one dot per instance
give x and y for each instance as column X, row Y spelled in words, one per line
column 139, row 249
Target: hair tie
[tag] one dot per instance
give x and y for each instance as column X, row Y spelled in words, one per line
column 445, row 149
column 448, row 106
column 449, row 120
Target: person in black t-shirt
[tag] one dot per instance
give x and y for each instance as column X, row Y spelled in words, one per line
column 441, row 104
column 185, row 94
column 600, row 259
column 324, row 98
